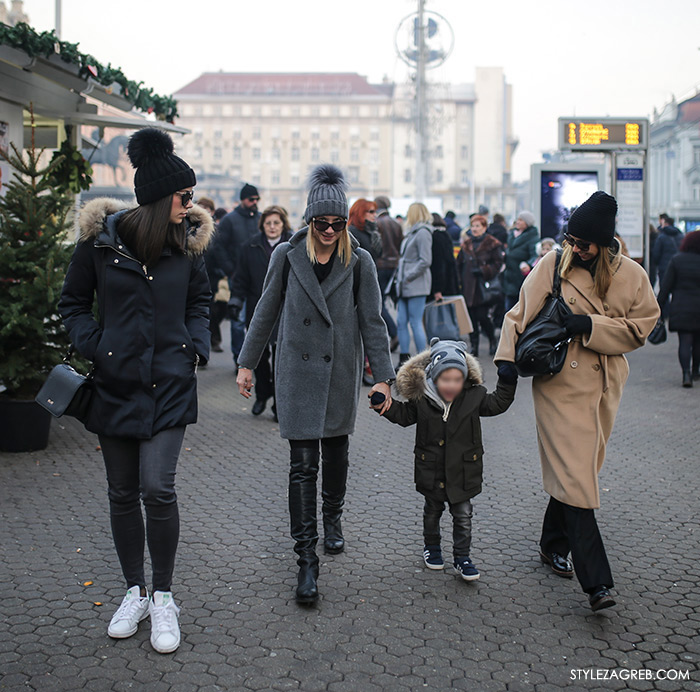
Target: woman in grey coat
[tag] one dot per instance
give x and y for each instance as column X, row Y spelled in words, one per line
column 414, row 278
column 324, row 290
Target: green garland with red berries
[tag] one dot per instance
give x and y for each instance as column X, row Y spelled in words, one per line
column 45, row 44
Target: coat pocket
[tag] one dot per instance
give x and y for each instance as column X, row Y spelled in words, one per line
column 473, row 468
column 424, row 471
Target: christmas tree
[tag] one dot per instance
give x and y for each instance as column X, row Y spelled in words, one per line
column 34, row 255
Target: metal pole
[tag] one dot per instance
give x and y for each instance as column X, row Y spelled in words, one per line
column 421, row 134
column 58, row 18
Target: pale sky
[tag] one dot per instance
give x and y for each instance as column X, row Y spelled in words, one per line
column 563, row 57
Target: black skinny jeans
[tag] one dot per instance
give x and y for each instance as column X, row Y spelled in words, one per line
column 144, row 470
column 481, row 320
column 689, row 350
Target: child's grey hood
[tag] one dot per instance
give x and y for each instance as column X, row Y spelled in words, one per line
column 412, row 383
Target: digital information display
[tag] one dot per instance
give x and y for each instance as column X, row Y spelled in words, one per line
column 602, row 134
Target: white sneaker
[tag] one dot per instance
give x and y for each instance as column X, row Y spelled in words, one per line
column 133, row 609
column 165, row 630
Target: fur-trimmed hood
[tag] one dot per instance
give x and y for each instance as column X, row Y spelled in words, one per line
column 411, row 381
column 93, row 218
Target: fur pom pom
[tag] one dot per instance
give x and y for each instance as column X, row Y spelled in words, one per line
column 327, row 174
column 148, row 143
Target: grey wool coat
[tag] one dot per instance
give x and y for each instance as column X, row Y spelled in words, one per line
column 319, row 364
column 414, row 277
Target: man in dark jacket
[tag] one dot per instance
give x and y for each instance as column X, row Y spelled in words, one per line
column 453, row 228
column 392, row 235
column 666, row 246
column 235, row 229
column 498, row 229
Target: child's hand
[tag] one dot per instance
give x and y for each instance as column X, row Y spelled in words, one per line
column 381, row 405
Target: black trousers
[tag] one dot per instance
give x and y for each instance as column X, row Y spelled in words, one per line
column 566, row 528
column 481, row 320
column 143, row 471
column 689, row 350
column 265, row 375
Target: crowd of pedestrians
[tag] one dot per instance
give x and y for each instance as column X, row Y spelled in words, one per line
column 316, row 309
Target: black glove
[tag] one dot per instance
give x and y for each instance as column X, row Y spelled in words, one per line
column 233, row 311
column 578, row 324
column 507, row 372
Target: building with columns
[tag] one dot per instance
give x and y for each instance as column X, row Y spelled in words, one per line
column 271, row 129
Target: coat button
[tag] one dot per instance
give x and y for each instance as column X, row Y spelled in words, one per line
column 150, row 278
column 441, row 484
column 305, row 356
column 596, row 367
column 441, row 443
column 475, row 457
column 109, row 353
column 574, row 363
column 154, row 386
column 572, row 300
column 327, row 359
column 307, row 321
column 422, row 456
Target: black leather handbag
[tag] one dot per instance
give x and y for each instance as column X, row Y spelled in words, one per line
column 66, row 391
column 658, row 333
column 542, row 347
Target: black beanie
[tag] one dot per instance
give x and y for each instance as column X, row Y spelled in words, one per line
column 594, row 220
column 159, row 172
column 249, row 191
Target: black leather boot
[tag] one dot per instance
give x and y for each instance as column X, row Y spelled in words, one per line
column 687, row 378
column 302, row 513
column 333, row 484
column 474, row 342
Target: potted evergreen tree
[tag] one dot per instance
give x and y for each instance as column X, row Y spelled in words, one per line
column 34, row 255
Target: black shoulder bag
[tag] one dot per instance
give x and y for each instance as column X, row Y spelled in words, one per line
column 66, row 391
column 542, row 347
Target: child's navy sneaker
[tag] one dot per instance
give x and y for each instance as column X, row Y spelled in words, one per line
column 465, row 567
column 432, row 556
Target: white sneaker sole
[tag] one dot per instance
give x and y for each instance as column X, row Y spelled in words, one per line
column 169, row 650
column 468, row 577
column 429, row 566
column 130, row 633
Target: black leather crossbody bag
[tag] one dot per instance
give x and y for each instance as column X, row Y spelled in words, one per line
column 66, row 391
column 542, row 347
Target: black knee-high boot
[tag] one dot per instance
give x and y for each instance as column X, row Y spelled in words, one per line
column 335, row 475
column 302, row 513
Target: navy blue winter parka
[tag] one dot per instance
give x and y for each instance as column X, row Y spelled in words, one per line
column 153, row 324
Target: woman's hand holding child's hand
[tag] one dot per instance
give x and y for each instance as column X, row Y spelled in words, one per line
column 384, row 390
column 507, row 372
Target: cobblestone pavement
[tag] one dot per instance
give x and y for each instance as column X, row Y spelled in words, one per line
column 384, row 622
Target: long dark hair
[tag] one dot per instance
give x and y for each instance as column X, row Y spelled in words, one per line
column 147, row 230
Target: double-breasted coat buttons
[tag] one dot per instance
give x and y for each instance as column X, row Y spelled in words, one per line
column 305, row 356
column 574, row 363
column 307, row 322
column 327, row 359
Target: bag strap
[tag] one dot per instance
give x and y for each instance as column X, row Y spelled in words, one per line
column 355, row 277
column 556, row 282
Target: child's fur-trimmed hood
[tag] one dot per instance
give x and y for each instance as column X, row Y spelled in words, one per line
column 411, row 379
column 92, row 218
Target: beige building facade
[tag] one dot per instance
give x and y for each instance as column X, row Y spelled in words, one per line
column 271, row 129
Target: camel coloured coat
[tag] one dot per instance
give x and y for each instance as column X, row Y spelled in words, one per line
column 575, row 410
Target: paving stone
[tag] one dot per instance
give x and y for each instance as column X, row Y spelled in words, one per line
column 383, row 622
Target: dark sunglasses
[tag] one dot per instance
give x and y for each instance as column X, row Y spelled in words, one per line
column 253, row 199
column 580, row 244
column 337, row 226
column 185, row 197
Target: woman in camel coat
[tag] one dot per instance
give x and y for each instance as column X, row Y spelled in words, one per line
column 614, row 310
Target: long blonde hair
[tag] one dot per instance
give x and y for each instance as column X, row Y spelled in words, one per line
column 418, row 213
column 609, row 260
column 344, row 245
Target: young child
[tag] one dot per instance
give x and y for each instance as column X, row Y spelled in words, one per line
column 446, row 398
